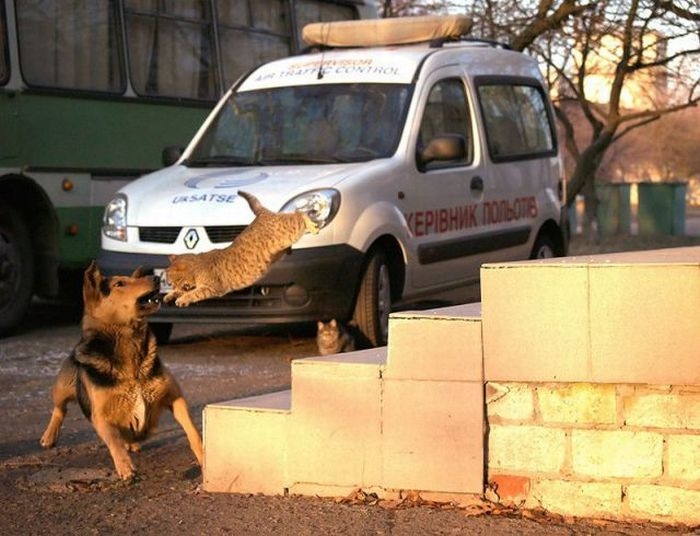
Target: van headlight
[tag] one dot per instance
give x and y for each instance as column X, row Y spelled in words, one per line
column 320, row 205
column 114, row 219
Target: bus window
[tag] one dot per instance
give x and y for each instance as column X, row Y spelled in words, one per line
column 252, row 33
column 4, row 57
column 171, row 49
column 70, row 45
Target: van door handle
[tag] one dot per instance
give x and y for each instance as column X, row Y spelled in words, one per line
column 477, row 183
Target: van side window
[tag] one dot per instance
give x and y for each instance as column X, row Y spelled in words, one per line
column 518, row 124
column 446, row 114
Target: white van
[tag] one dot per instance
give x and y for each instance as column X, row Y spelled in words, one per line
column 422, row 154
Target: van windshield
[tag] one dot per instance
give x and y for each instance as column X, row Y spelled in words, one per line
column 305, row 124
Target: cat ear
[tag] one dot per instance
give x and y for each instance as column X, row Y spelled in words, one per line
column 334, row 323
column 319, row 324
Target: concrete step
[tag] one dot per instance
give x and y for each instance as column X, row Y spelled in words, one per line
column 432, row 398
column 255, row 445
column 603, row 319
column 245, row 444
column 411, row 416
column 334, row 442
column 437, row 344
column 345, row 425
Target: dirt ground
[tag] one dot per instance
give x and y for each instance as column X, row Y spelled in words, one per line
column 73, row 490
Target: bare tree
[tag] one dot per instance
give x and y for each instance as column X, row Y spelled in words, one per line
column 642, row 55
column 402, row 8
column 655, row 48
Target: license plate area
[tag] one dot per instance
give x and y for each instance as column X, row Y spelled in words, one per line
column 165, row 285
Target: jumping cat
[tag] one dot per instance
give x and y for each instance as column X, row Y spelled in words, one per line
column 197, row 277
column 332, row 338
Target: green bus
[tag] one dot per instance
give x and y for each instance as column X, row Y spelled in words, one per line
column 90, row 95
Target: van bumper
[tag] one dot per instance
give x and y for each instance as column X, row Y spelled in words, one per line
column 305, row 285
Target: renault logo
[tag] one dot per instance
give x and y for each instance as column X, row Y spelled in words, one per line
column 191, row 238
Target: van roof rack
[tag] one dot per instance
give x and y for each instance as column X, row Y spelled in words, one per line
column 478, row 40
column 386, row 32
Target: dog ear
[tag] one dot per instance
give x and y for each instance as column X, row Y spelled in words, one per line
column 138, row 272
column 91, row 282
column 92, row 274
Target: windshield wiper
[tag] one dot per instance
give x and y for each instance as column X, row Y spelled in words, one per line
column 219, row 161
column 273, row 160
column 282, row 159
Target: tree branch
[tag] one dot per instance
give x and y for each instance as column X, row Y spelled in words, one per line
column 686, row 14
column 543, row 23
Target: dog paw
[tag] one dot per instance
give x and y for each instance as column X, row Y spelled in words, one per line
column 127, row 480
column 46, row 444
column 127, row 473
column 47, row 441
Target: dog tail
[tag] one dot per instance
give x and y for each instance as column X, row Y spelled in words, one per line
column 253, row 202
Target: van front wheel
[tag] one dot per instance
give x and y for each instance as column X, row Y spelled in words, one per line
column 373, row 303
column 162, row 331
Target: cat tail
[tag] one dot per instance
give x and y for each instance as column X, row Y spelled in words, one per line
column 253, row 202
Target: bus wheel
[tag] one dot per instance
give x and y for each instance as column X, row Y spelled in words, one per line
column 16, row 269
column 373, row 303
column 162, row 331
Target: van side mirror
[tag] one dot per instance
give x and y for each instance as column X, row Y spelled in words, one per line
column 171, row 154
column 444, row 147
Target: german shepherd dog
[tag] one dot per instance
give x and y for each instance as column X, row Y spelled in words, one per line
column 114, row 372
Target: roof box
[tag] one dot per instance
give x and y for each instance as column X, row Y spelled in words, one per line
column 383, row 32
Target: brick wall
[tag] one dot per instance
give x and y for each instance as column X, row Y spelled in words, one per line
column 622, row 451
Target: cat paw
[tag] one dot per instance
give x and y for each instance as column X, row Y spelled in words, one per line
column 310, row 225
column 183, row 302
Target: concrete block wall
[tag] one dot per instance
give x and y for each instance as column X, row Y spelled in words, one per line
column 592, row 376
column 596, row 450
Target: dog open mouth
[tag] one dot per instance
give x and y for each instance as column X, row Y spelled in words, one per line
column 150, row 302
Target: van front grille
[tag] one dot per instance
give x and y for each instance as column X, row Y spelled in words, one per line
column 168, row 235
column 224, row 233
column 161, row 235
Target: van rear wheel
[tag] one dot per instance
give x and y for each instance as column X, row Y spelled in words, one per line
column 544, row 248
column 373, row 303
